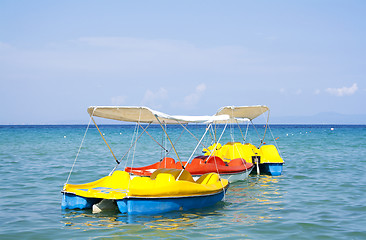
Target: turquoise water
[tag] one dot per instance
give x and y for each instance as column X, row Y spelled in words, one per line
column 321, row 194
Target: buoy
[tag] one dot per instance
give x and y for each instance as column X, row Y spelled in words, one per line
column 279, row 137
column 331, row 129
column 64, row 136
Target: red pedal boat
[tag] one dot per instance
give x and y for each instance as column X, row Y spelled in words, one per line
column 234, row 170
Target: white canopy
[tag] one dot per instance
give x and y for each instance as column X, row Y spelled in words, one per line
column 147, row 115
column 241, row 113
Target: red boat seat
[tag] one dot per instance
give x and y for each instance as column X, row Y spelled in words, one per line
column 237, row 162
column 218, row 160
column 167, row 162
column 197, row 161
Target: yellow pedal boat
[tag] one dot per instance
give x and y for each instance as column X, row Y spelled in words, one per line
column 266, row 157
column 166, row 190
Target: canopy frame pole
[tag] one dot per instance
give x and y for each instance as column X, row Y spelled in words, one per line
column 176, row 153
column 215, row 132
column 240, row 130
column 133, row 144
column 189, row 159
column 265, row 130
column 256, row 131
column 153, row 138
column 192, row 134
column 175, row 142
column 104, row 140
column 211, row 135
column 77, row 154
column 246, row 133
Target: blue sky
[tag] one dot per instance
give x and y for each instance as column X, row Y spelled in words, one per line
column 300, row 58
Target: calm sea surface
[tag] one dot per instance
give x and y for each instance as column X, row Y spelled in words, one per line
column 321, row 194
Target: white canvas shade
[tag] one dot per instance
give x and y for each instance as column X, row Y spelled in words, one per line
column 147, row 115
column 241, row 113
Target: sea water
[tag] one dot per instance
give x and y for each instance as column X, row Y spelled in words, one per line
column 320, row 195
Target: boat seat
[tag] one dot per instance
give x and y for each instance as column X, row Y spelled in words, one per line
column 237, row 162
column 208, row 178
column 218, row 160
column 116, row 180
column 185, row 176
column 167, row 162
column 198, row 161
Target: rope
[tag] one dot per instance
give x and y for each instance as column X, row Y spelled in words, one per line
column 189, row 159
column 264, row 135
column 134, row 150
column 101, row 134
column 191, row 133
column 241, row 132
column 256, row 131
column 246, row 132
column 217, row 170
column 77, row 155
column 166, row 142
column 275, row 141
column 131, row 145
column 153, row 138
column 163, row 153
column 176, row 153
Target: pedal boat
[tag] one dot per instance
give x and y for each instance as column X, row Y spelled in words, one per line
column 165, row 190
column 235, row 170
column 266, row 157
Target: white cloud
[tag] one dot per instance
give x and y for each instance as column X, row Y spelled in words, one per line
column 343, row 91
column 298, row 92
column 154, row 99
column 5, row 46
column 201, row 88
column 317, row 91
column 191, row 100
column 118, row 100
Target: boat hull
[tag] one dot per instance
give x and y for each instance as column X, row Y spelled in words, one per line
column 140, row 205
column 165, row 190
column 273, row 169
column 72, row 201
column 233, row 177
column 147, row 206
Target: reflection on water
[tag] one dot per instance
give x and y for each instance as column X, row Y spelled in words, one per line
column 86, row 220
column 254, row 200
column 183, row 222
